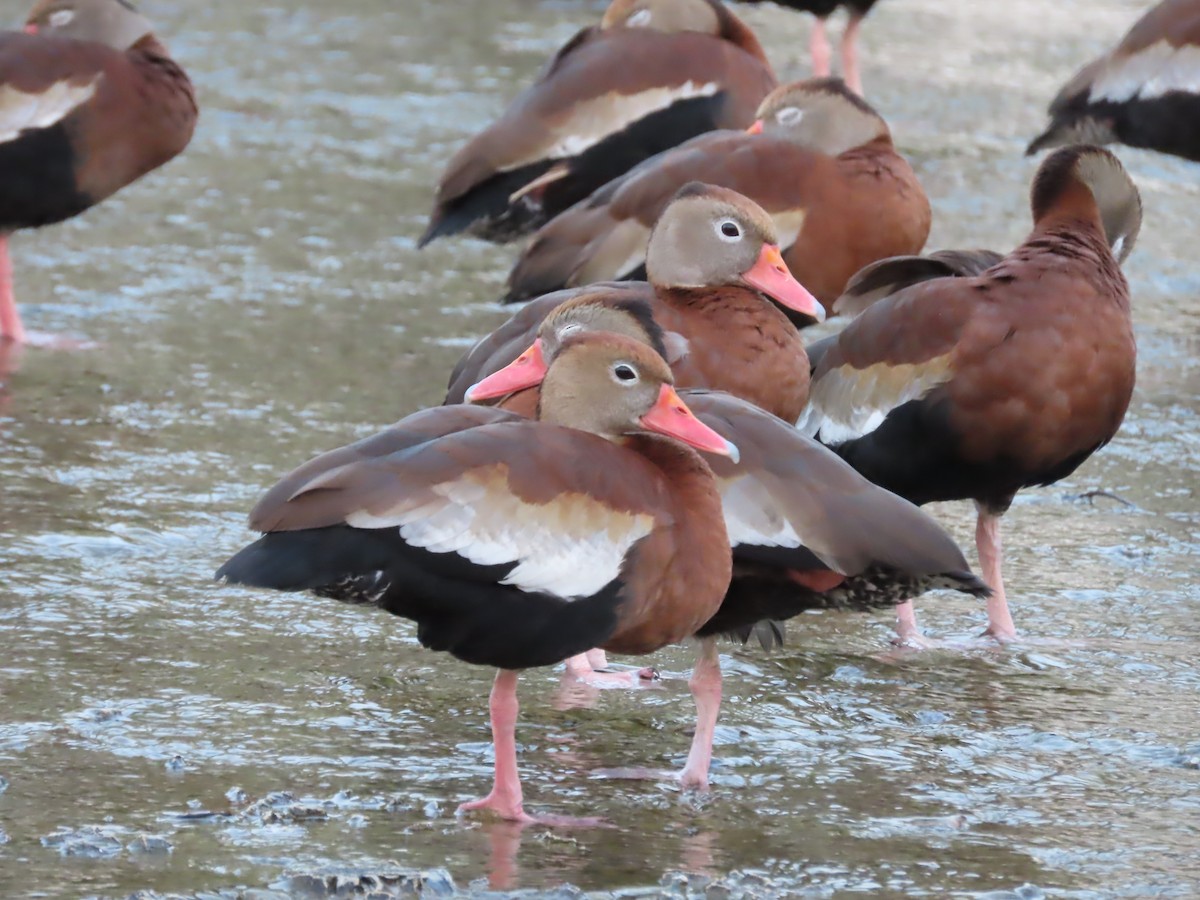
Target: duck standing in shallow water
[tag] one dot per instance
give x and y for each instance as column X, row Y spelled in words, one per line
column 976, row 387
column 90, row 101
column 514, row 542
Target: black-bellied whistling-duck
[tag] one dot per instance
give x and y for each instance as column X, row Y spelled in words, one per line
column 516, row 543
column 711, row 257
column 973, row 388
column 820, row 161
column 807, row 531
column 1145, row 93
column 819, row 47
column 652, row 74
column 90, row 101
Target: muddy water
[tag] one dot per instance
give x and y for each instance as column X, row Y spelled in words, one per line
column 261, row 300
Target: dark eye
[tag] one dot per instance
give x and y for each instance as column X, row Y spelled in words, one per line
column 624, row 373
column 730, row 230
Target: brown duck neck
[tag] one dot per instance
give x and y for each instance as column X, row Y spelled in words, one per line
column 738, row 32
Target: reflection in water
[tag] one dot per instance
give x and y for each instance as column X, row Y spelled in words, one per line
column 260, row 300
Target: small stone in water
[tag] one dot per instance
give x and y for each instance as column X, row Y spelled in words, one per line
column 149, row 843
column 1189, row 762
column 432, row 810
column 90, row 841
column 176, row 764
column 235, row 795
column 358, row 820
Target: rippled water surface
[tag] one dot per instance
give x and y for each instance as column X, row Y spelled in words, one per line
column 261, row 299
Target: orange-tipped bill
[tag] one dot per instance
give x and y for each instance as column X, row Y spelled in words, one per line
column 756, row 128
column 526, row 371
column 770, row 275
column 670, row 416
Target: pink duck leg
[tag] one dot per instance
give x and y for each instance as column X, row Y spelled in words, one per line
column 819, row 49
column 11, row 328
column 588, row 667
column 505, row 798
column 706, row 690
column 850, row 72
column 987, row 542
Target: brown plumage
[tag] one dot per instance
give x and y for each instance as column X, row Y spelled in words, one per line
column 975, row 387
column 823, row 167
column 1144, row 93
column 90, row 101
column 651, row 75
column 516, row 543
column 723, row 333
column 807, row 532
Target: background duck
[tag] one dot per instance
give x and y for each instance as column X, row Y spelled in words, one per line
column 91, row 102
column 819, row 160
column 1144, row 93
column 652, row 74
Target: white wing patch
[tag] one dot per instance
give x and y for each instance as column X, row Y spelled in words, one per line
column 593, row 120
column 846, row 403
column 570, row 547
column 752, row 515
column 20, row 111
column 1149, row 73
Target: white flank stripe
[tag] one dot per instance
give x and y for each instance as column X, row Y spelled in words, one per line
column 571, row 547
column 20, row 111
column 1154, row 72
column 622, row 110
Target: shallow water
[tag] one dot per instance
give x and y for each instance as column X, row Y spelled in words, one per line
column 261, row 299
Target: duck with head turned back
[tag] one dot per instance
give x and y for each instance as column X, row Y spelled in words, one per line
column 1145, row 93
column 819, row 160
column 807, row 532
column 976, row 387
column 516, row 543
column 713, row 261
column 652, row 74
column 90, row 101
column 822, row 53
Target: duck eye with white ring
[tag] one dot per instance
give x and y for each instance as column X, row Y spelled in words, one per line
column 640, row 19
column 624, row 373
column 728, row 230
column 60, row 18
column 789, row 116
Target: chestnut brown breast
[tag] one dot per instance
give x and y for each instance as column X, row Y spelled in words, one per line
column 738, row 343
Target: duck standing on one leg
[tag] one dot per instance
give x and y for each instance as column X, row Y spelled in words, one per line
column 976, row 387
column 513, row 542
column 90, row 101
